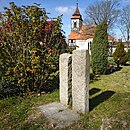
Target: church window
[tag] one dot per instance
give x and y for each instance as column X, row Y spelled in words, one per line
column 75, row 24
column 90, row 45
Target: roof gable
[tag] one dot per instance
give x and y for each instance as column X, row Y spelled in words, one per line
column 86, row 32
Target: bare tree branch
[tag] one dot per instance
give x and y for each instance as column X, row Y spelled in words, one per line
column 125, row 24
column 103, row 10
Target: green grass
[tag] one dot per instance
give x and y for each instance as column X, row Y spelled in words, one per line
column 109, row 107
column 16, row 112
column 109, row 102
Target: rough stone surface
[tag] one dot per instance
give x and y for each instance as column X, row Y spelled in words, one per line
column 59, row 115
column 80, row 80
column 65, row 68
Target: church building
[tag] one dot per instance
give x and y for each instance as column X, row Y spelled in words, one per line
column 81, row 35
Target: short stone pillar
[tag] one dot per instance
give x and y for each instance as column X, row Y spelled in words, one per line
column 65, row 68
column 80, row 80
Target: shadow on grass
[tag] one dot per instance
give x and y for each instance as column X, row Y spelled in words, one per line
column 127, row 64
column 113, row 69
column 93, row 91
column 94, row 102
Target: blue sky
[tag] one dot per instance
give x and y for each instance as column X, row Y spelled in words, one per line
column 58, row 7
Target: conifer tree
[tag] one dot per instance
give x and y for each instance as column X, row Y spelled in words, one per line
column 128, row 54
column 120, row 56
column 100, row 49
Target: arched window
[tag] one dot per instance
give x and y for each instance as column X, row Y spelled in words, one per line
column 75, row 24
column 90, row 45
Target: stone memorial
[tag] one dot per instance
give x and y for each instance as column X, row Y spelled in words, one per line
column 74, row 80
column 65, row 68
column 74, row 90
column 80, row 80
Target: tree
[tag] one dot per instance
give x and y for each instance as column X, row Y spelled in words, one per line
column 99, row 51
column 30, row 47
column 102, row 10
column 125, row 24
column 128, row 54
column 120, row 56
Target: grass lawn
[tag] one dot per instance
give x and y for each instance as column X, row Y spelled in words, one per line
column 109, row 107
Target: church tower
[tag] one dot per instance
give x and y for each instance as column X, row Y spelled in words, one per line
column 76, row 20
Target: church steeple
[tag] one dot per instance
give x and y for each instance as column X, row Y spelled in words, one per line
column 77, row 13
column 76, row 20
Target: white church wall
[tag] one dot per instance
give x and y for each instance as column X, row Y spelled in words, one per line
column 83, row 44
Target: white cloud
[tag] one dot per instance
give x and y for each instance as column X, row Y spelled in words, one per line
column 126, row 0
column 64, row 10
column 68, row 10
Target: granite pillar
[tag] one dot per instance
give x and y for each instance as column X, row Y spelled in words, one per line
column 80, row 80
column 65, row 68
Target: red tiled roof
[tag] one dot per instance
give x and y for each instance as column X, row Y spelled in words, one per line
column 126, row 43
column 86, row 32
column 112, row 38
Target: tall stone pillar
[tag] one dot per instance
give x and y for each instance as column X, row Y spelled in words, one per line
column 80, row 80
column 65, row 68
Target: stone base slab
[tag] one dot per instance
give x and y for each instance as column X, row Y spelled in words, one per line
column 59, row 115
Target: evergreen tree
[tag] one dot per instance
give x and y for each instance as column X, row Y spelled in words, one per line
column 128, row 54
column 100, row 49
column 120, row 56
